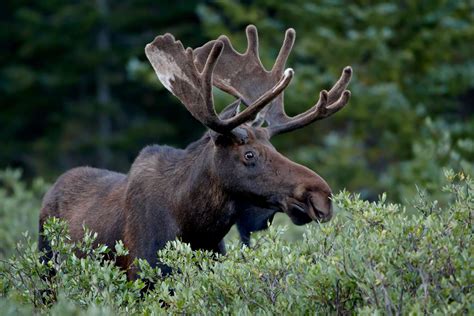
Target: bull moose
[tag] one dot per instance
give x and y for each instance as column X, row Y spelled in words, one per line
column 195, row 194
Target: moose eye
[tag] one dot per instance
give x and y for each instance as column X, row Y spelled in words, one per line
column 249, row 155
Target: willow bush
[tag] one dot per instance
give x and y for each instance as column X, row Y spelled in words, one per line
column 372, row 257
column 19, row 208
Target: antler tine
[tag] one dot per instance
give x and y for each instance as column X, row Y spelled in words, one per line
column 333, row 94
column 320, row 111
column 175, row 68
column 328, row 104
column 285, row 51
column 340, row 85
column 252, row 40
column 209, row 117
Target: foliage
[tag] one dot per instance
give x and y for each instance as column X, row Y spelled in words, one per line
column 440, row 145
column 19, row 208
column 86, row 281
column 374, row 257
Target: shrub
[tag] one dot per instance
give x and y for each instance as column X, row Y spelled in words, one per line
column 19, row 208
column 372, row 258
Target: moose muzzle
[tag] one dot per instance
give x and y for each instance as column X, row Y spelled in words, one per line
column 319, row 206
column 311, row 200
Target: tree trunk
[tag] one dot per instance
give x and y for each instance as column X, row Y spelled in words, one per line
column 103, row 88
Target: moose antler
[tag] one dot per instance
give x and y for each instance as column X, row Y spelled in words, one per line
column 244, row 76
column 175, row 69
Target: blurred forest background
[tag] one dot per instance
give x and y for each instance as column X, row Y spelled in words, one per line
column 76, row 88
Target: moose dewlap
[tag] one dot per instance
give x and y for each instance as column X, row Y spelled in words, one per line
column 231, row 174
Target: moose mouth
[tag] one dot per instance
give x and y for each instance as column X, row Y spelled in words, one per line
column 308, row 209
column 300, row 212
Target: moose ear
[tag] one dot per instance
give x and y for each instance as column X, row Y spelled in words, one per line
column 237, row 136
column 230, row 110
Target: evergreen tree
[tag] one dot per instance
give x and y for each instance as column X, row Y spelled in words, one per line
column 70, row 93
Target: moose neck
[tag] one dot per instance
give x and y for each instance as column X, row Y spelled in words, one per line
column 179, row 188
column 197, row 178
column 203, row 209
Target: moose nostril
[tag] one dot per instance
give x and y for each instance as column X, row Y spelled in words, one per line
column 323, row 209
column 320, row 209
column 326, row 216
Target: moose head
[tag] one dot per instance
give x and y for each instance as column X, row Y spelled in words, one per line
column 245, row 162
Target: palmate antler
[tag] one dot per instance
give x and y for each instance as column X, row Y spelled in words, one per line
column 176, row 70
column 244, row 76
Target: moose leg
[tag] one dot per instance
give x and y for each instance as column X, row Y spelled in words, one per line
column 47, row 295
column 220, row 248
column 143, row 240
column 43, row 245
column 147, row 250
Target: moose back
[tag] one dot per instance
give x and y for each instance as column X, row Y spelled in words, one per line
column 195, row 194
